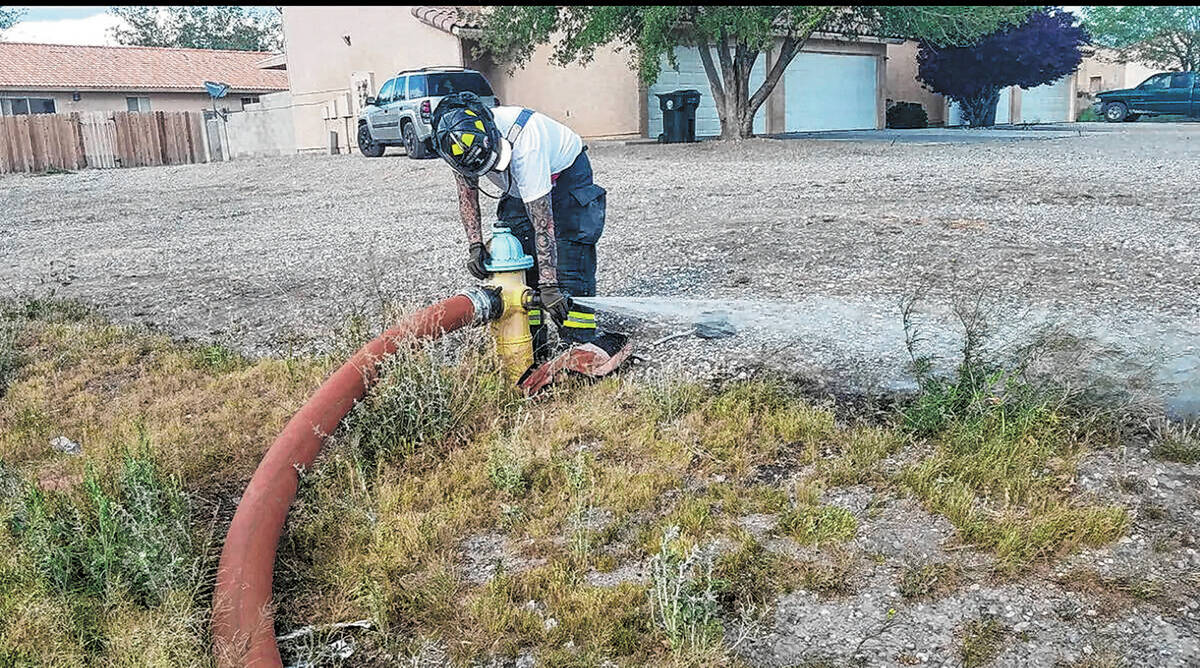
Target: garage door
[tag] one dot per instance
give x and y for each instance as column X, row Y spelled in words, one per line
column 830, row 92
column 691, row 75
column 1047, row 104
column 1003, row 108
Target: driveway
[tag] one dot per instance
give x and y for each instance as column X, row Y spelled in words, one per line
column 1096, row 232
column 949, row 135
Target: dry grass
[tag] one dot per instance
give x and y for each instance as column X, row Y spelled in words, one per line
column 593, row 478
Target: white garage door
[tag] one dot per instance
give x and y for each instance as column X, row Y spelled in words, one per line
column 1047, row 104
column 1003, row 107
column 830, row 92
column 691, row 75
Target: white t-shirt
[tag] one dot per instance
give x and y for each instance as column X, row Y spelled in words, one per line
column 543, row 148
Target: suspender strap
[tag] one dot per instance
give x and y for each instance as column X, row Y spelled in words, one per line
column 515, row 130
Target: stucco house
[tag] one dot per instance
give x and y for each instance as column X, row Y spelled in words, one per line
column 337, row 56
column 61, row 78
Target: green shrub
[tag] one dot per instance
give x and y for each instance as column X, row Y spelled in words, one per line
column 420, row 399
column 1088, row 115
column 129, row 535
column 907, row 115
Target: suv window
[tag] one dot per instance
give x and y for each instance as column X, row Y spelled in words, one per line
column 1157, row 81
column 398, row 93
column 385, row 92
column 1181, row 80
column 416, row 86
column 445, row 83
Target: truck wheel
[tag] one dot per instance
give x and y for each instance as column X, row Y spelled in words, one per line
column 417, row 149
column 366, row 144
column 1115, row 112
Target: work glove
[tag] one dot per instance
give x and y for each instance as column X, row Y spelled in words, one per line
column 553, row 301
column 479, row 256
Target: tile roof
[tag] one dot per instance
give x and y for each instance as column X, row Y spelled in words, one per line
column 448, row 19
column 24, row 65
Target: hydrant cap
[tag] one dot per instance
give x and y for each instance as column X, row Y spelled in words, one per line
column 506, row 252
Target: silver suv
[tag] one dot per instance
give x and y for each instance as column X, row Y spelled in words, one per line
column 400, row 113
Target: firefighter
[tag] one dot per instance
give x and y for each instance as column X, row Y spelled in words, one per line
column 546, row 198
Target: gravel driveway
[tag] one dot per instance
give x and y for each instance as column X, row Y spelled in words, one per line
column 1098, row 230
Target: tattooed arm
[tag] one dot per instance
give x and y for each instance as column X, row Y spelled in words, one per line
column 541, row 214
column 468, row 209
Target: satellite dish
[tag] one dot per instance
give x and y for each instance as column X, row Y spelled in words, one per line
column 216, row 89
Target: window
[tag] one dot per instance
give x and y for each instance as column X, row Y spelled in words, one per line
column 137, row 103
column 1181, row 80
column 1157, row 81
column 385, row 92
column 19, row 106
column 1095, row 83
column 445, row 83
column 398, row 94
column 416, row 87
column 253, row 99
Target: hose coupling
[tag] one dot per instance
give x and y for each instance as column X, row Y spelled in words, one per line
column 486, row 302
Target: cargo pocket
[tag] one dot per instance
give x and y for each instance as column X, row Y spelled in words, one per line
column 584, row 219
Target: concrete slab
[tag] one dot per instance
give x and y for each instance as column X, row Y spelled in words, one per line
column 937, row 135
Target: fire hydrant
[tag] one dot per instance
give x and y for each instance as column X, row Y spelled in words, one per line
column 508, row 264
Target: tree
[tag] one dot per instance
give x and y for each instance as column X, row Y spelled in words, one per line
column 1166, row 36
column 1043, row 49
column 740, row 35
column 9, row 16
column 231, row 27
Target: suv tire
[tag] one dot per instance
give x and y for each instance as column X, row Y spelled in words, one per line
column 1115, row 112
column 367, row 144
column 417, row 149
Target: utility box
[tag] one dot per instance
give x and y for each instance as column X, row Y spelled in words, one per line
column 679, row 115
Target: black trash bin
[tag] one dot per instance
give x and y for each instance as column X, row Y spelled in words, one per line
column 679, row 115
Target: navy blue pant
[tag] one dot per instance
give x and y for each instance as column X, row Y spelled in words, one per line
column 578, row 206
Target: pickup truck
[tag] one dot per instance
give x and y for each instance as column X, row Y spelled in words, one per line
column 1167, row 93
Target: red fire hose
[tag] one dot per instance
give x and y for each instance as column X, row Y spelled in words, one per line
column 243, row 622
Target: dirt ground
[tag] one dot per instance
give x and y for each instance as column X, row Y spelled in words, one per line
column 1098, row 231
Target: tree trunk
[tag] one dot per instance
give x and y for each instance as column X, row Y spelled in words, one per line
column 731, row 84
column 979, row 111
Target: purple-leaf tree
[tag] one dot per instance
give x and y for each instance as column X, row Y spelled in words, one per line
column 1041, row 50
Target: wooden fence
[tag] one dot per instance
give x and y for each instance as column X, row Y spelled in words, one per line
column 101, row 139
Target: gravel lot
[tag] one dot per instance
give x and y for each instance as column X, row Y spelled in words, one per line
column 1097, row 232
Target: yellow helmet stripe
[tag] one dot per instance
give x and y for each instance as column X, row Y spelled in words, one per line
column 468, row 138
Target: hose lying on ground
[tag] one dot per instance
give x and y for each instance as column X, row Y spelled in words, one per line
column 243, row 624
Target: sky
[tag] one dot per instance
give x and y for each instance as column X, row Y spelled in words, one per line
column 64, row 25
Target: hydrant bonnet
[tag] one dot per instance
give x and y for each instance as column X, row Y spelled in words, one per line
column 506, row 252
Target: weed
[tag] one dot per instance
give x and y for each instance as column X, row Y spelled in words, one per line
column 818, row 525
column 218, row 359
column 1088, row 115
column 753, row 576
column 507, row 471
column 578, row 473
column 11, row 357
column 132, row 536
column 927, row 580
column 1176, row 441
column 419, row 399
column 683, row 600
column 982, row 640
column 828, row 577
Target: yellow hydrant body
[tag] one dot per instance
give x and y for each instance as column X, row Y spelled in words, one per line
column 513, row 340
column 507, row 262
